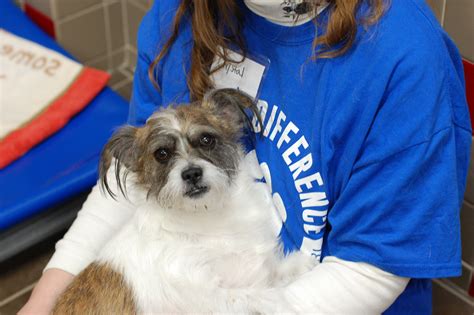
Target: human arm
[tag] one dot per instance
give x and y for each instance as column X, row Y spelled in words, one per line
column 51, row 284
column 344, row 287
column 337, row 286
column 100, row 217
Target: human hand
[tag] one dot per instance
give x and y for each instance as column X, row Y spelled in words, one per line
column 52, row 283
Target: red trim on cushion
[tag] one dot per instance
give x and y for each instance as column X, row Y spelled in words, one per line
column 469, row 77
column 81, row 92
column 43, row 21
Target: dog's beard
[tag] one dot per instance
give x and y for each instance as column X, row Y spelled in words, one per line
column 215, row 184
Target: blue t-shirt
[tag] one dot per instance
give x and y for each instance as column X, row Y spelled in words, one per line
column 366, row 154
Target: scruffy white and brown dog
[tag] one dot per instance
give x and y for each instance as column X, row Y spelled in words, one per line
column 201, row 241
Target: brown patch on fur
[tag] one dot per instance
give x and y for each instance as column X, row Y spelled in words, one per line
column 231, row 104
column 96, row 290
column 142, row 134
column 198, row 115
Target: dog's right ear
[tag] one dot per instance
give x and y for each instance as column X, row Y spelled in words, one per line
column 122, row 150
column 231, row 104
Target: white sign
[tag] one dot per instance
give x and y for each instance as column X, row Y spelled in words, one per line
column 245, row 76
column 31, row 77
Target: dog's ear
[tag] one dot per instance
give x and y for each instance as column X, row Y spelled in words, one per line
column 231, row 105
column 122, row 149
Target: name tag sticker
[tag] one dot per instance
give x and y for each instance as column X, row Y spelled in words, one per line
column 246, row 76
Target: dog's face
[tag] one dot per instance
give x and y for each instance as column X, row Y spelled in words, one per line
column 185, row 156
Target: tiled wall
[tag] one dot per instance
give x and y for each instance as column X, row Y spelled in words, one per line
column 451, row 296
column 100, row 33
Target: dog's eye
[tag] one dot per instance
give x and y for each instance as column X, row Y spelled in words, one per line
column 162, row 155
column 207, row 140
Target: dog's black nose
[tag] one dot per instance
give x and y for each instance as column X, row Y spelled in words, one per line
column 192, row 175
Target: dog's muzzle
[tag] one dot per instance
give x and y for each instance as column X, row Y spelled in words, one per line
column 192, row 176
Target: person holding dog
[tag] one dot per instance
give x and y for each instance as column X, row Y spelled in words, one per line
column 364, row 146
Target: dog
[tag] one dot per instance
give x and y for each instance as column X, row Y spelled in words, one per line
column 200, row 240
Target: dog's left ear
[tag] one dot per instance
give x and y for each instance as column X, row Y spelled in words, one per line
column 121, row 150
column 231, row 105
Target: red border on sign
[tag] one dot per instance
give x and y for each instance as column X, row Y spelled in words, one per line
column 81, row 92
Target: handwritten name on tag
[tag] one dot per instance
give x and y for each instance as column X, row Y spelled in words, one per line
column 245, row 76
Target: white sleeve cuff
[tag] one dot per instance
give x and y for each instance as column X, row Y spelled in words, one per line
column 69, row 262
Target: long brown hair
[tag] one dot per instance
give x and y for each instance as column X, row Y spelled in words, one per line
column 211, row 18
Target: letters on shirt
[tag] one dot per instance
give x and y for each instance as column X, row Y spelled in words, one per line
column 308, row 183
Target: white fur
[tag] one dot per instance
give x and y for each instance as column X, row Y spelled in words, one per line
column 218, row 259
column 172, row 194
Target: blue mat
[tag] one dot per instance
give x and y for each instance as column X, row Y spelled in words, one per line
column 66, row 163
